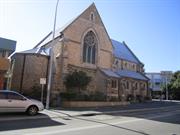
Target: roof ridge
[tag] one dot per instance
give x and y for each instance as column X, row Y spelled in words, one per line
column 144, row 75
column 64, row 27
column 132, row 74
column 122, row 51
column 132, row 52
column 75, row 18
column 43, row 39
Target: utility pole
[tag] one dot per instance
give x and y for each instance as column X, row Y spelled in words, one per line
column 166, row 89
column 51, row 60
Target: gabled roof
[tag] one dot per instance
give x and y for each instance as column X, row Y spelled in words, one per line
column 124, row 73
column 41, row 51
column 122, row 51
column 131, row 74
column 48, row 38
column 109, row 73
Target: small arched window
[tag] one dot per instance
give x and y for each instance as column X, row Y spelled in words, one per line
column 116, row 62
column 133, row 66
column 92, row 17
column 89, row 48
column 136, row 85
column 125, row 65
column 144, row 86
column 127, row 84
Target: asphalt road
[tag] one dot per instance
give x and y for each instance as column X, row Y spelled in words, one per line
column 150, row 122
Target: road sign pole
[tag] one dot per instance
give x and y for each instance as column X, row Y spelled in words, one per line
column 42, row 93
column 42, row 82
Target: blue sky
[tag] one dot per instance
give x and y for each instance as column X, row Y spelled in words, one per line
column 151, row 28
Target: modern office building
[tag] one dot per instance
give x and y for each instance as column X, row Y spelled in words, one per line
column 158, row 81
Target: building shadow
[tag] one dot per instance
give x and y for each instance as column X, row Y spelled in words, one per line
column 171, row 115
column 161, row 111
column 16, row 121
column 115, row 126
column 141, row 115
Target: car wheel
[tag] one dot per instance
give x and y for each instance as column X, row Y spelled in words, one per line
column 32, row 110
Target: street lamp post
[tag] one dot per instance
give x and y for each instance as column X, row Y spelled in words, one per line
column 51, row 60
column 166, row 89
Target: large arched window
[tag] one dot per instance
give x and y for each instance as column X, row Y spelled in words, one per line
column 89, row 48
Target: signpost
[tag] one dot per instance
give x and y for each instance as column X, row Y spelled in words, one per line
column 42, row 82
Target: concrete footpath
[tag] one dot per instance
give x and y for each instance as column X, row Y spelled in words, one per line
column 75, row 112
column 136, row 107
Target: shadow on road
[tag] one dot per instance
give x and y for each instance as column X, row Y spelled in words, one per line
column 28, row 122
column 167, row 108
column 115, row 126
column 169, row 115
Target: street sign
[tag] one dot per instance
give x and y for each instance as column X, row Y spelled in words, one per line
column 42, row 80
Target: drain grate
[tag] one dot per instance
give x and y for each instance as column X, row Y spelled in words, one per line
column 89, row 114
column 66, row 119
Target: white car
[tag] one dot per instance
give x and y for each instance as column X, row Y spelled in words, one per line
column 11, row 101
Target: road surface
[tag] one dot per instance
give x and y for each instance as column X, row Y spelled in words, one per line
column 164, row 121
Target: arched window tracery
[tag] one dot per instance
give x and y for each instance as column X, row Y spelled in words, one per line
column 89, row 48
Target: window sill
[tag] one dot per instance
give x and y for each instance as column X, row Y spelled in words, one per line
column 88, row 65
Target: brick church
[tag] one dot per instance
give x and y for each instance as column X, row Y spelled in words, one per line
column 82, row 45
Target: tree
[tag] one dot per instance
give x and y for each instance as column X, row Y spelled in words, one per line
column 77, row 79
column 176, row 80
column 174, row 86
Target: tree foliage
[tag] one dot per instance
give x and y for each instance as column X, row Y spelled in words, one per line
column 174, row 86
column 176, row 80
column 77, row 79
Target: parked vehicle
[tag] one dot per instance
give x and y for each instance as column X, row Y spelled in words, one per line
column 11, row 101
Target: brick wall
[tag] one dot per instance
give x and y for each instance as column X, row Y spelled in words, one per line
column 76, row 32
column 28, row 70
